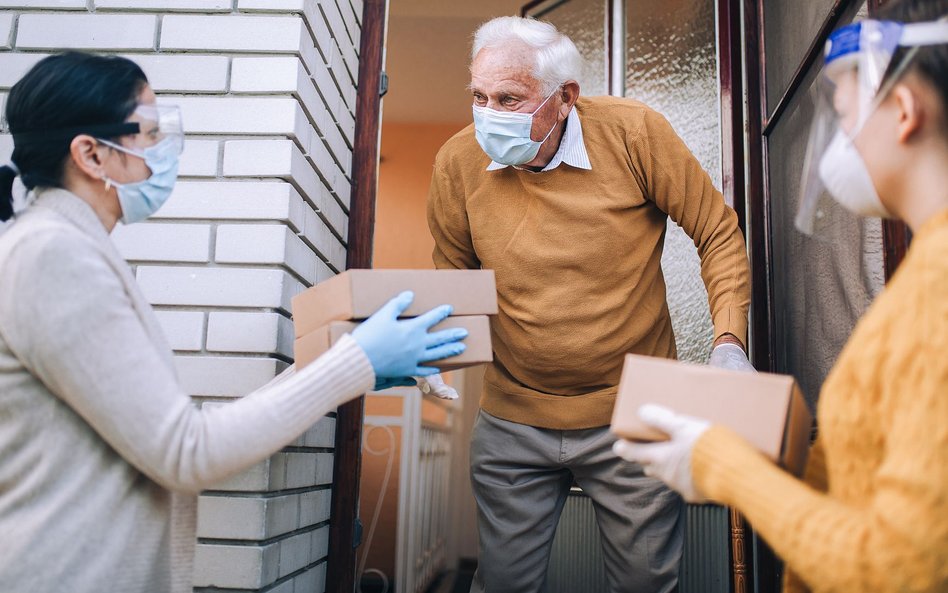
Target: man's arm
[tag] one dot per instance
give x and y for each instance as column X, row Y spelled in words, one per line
column 447, row 220
column 678, row 185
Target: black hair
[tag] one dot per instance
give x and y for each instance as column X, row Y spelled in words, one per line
column 59, row 98
column 931, row 61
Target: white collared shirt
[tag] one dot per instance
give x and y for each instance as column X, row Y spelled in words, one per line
column 572, row 149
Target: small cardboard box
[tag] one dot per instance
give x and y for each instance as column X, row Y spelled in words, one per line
column 767, row 410
column 357, row 294
column 479, row 351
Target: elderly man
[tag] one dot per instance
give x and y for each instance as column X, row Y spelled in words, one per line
column 566, row 199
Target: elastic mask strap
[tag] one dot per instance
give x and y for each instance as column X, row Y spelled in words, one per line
column 548, row 97
column 121, row 148
column 918, row 34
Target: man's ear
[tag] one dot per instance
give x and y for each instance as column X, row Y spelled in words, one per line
column 87, row 156
column 569, row 92
column 910, row 111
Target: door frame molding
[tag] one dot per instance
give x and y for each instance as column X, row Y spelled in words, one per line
column 347, row 464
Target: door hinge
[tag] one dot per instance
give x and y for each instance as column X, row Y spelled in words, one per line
column 383, row 84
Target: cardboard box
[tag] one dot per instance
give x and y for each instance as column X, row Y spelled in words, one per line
column 767, row 410
column 357, row 294
column 479, row 351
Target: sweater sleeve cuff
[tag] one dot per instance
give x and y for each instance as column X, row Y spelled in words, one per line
column 731, row 320
column 720, row 460
column 728, row 470
column 361, row 373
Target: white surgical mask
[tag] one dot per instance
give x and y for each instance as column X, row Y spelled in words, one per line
column 141, row 199
column 505, row 135
column 847, row 180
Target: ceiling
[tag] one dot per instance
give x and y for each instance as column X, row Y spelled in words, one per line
column 427, row 57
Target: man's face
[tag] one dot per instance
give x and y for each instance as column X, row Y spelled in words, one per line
column 502, row 79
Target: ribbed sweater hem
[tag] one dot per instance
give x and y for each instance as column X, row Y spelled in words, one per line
column 555, row 412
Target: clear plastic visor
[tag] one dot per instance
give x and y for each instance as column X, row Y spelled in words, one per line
column 849, row 89
column 838, row 116
column 157, row 123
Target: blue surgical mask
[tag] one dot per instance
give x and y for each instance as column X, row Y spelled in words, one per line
column 505, row 135
column 141, row 199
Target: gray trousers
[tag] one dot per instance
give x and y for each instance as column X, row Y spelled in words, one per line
column 521, row 477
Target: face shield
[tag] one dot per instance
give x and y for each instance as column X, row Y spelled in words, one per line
column 848, row 91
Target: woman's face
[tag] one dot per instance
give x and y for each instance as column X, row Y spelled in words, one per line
column 125, row 168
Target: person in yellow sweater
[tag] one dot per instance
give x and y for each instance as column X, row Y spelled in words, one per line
column 567, row 198
column 871, row 514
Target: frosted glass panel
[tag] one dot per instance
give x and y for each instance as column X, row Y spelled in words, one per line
column 672, row 67
column 822, row 285
column 584, row 21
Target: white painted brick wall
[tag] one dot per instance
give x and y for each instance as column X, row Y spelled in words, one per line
column 232, row 33
column 225, row 377
column 248, row 332
column 149, row 242
column 86, row 31
column 266, row 244
column 271, row 5
column 250, row 201
column 184, row 73
column 184, row 329
column 6, row 30
column 200, row 158
column 61, row 4
column 218, row 286
column 260, row 211
column 188, row 5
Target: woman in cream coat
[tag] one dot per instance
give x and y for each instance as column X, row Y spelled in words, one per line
column 103, row 453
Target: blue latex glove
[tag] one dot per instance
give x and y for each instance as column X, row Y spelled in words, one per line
column 397, row 348
column 381, row 384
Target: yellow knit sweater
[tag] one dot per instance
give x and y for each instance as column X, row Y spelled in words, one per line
column 872, row 516
column 577, row 257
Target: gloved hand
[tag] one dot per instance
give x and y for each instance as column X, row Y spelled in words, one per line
column 732, row 357
column 381, row 384
column 669, row 461
column 398, row 347
column 436, row 386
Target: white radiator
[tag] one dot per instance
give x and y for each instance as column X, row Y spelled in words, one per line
column 407, row 449
column 576, row 560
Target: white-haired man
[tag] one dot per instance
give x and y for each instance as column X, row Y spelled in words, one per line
column 566, row 199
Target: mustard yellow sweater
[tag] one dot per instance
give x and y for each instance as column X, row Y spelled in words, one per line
column 577, row 256
column 872, row 515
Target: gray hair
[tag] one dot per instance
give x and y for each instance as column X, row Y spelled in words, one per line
column 557, row 59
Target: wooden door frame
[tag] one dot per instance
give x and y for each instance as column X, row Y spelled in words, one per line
column 344, row 531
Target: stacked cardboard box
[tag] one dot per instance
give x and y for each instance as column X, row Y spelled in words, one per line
column 327, row 311
column 767, row 410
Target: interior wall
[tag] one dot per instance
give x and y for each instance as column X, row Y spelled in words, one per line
column 402, row 239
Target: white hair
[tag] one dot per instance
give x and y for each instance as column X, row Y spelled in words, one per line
column 557, row 59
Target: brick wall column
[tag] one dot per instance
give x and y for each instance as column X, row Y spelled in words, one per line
column 267, row 90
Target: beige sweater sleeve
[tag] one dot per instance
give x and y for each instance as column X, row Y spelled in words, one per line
column 70, row 322
column 673, row 178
